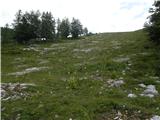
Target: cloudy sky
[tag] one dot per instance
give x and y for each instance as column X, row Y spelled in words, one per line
column 96, row 15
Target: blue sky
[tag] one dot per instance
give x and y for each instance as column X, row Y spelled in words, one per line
column 96, row 15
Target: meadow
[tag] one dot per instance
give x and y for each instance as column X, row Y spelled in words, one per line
column 100, row 77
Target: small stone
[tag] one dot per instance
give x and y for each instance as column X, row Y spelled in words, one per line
column 116, row 118
column 6, row 99
column 158, row 81
column 121, row 59
column 155, row 117
column 123, row 72
column 3, row 109
column 18, row 117
column 136, row 88
column 28, row 70
column 151, row 90
column 119, row 113
column 118, row 83
column 13, row 91
column 142, row 85
column 147, row 95
column 129, row 64
column 56, row 116
column 132, row 95
column 154, row 77
column 3, row 93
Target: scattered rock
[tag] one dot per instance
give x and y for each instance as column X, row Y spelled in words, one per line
column 56, row 116
column 54, row 45
column 155, row 117
column 52, row 49
column 142, row 85
column 144, row 53
column 95, row 42
column 147, row 95
column 27, row 84
column 115, row 83
column 154, row 77
column 30, row 48
column 83, row 50
column 129, row 64
column 14, row 91
column 2, row 109
column 18, row 116
column 116, row 47
column 158, row 81
column 121, row 59
column 150, row 91
column 123, row 72
column 44, row 61
column 21, row 66
column 132, row 95
column 28, row 70
column 118, row 116
column 18, row 59
column 83, row 78
column 128, row 68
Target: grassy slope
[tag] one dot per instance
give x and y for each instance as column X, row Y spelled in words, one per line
column 75, row 85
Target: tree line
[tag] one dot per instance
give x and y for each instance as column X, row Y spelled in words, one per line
column 43, row 26
column 153, row 26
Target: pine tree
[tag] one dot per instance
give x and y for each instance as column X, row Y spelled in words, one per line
column 27, row 26
column 7, row 34
column 33, row 19
column 65, row 28
column 85, row 31
column 153, row 26
column 58, row 28
column 21, row 27
column 76, row 28
column 47, row 26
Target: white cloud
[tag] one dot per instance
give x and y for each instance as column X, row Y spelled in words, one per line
column 97, row 15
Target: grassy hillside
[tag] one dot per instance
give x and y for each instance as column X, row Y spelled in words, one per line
column 74, row 79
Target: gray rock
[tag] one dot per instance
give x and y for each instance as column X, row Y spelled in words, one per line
column 28, row 70
column 147, row 95
column 142, row 85
column 83, row 50
column 115, row 83
column 121, row 59
column 155, row 117
column 158, row 81
column 30, row 48
column 150, row 91
column 3, row 93
column 10, row 91
column 131, row 95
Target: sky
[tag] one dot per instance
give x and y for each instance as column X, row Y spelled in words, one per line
column 96, row 15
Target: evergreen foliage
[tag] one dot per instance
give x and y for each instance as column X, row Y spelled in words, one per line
column 153, row 27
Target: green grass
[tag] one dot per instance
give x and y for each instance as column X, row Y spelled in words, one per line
column 75, row 84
